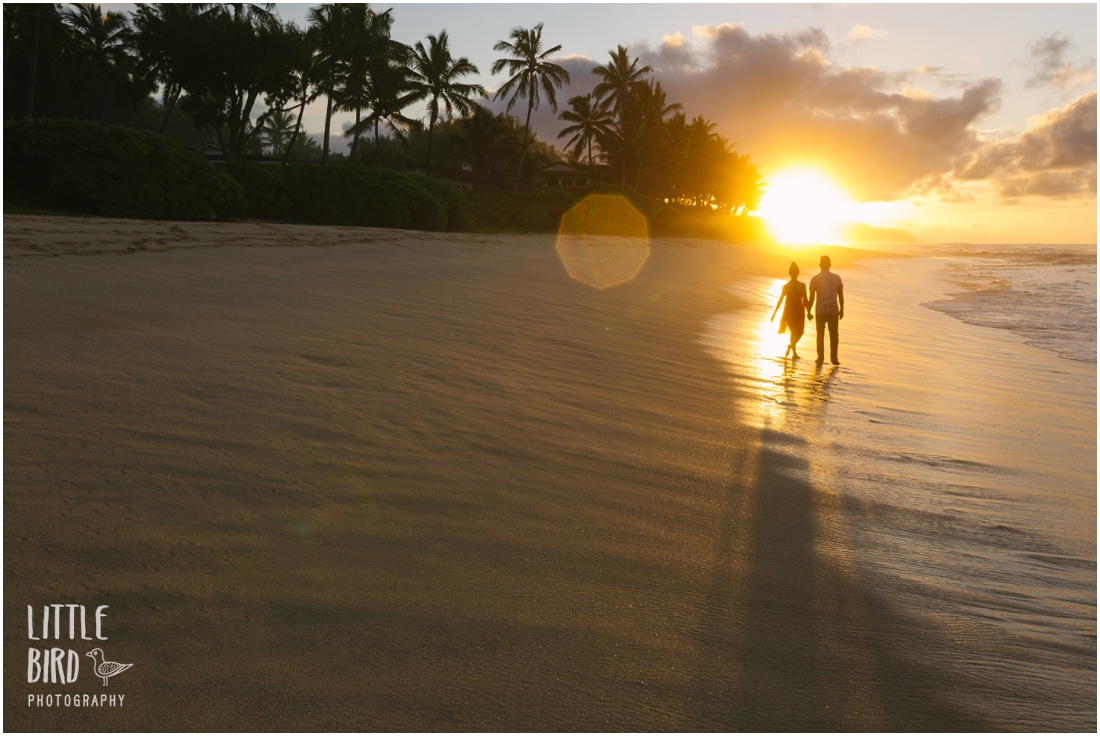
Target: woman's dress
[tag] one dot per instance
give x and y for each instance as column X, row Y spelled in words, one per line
column 794, row 309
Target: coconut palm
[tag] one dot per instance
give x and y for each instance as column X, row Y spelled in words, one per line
column 277, row 131
column 300, row 87
column 160, row 29
column 28, row 30
column 367, row 51
column 434, row 76
column 101, row 49
column 486, row 138
column 530, row 71
column 691, row 148
column 387, row 93
column 264, row 10
column 642, row 121
column 619, row 79
column 326, row 23
column 590, row 119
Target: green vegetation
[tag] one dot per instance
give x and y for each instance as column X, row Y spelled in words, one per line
column 529, row 71
column 433, row 75
column 541, row 210
column 81, row 167
column 112, row 171
column 237, row 76
column 363, row 196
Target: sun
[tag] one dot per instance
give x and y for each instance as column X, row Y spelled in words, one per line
column 803, row 205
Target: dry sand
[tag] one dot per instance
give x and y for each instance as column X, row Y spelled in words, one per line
column 348, row 479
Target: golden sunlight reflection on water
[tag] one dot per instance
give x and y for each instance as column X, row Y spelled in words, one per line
column 788, row 392
column 786, row 401
column 772, row 372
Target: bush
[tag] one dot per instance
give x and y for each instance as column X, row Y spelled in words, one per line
column 539, row 210
column 372, row 197
column 266, row 191
column 113, row 171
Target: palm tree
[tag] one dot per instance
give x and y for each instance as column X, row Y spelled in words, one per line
column 616, row 150
column 301, row 83
column 27, row 26
column 484, row 138
column 530, row 70
column 367, row 51
column 264, row 10
column 159, row 30
column 590, row 119
column 101, row 48
column 434, row 76
column 387, row 93
column 277, row 131
column 645, row 116
column 696, row 150
column 326, row 22
column 618, row 79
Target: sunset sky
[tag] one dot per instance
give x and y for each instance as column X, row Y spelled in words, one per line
column 959, row 123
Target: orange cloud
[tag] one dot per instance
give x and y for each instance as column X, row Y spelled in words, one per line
column 783, row 101
column 676, row 39
column 1055, row 157
column 712, row 31
column 866, row 33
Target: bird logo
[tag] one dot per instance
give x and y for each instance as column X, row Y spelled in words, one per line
column 104, row 668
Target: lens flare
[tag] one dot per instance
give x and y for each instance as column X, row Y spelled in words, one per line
column 603, row 241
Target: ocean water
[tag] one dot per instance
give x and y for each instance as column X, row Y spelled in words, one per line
column 1046, row 294
column 954, row 449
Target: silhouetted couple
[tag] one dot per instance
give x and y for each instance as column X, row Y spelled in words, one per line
column 828, row 291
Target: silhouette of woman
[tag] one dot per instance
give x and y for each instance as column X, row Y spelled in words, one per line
column 794, row 313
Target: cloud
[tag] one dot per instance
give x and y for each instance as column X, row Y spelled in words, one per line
column 865, row 33
column 674, row 52
column 943, row 77
column 1055, row 157
column 1050, row 67
column 712, row 31
column 675, row 40
column 781, row 99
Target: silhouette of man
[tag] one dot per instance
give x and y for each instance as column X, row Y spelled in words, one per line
column 828, row 290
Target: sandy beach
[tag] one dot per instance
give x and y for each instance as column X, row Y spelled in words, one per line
column 356, row 479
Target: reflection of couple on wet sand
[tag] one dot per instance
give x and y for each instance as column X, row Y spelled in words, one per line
column 828, row 291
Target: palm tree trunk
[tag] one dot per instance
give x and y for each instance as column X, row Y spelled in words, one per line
column 105, row 95
column 526, row 136
column 298, row 124
column 431, row 128
column 32, row 74
column 328, row 123
column 355, row 140
column 172, row 97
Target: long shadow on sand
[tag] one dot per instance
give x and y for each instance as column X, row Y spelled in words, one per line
column 792, row 639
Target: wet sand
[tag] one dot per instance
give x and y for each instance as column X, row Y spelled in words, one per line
column 348, row 479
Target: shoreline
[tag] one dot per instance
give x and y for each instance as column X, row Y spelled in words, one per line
column 945, row 469
column 416, row 481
